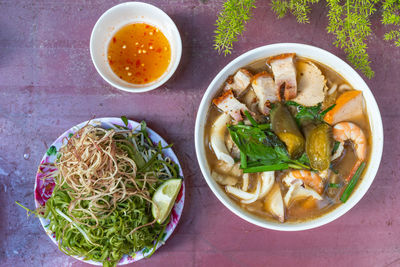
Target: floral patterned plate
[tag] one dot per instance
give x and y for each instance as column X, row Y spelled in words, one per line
column 44, row 188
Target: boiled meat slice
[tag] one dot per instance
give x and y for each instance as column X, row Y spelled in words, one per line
column 311, row 88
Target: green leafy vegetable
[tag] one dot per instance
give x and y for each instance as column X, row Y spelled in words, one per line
column 125, row 120
column 51, row 151
column 253, row 142
column 107, row 243
column 304, row 159
column 133, row 153
column 349, row 22
column 314, row 113
column 104, row 227
column 350, row 187
column 262, row 150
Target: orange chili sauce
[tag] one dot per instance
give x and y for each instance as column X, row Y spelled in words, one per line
column 139, row 53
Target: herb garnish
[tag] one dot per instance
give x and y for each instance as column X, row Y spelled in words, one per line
column 261, row 150
column 349, row 22
column 314, row 113
column 230, row 24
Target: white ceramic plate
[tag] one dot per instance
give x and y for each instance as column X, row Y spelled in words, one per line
column 44, row 188
column 329, row 60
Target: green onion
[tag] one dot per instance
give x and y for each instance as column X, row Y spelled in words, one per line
column 251, row 119
column 323, row 113
column 265, row 126
column 335, row 147
column 298, row 165
column 352, row 183
column 333, row 185
column 275, row 167
column 295, row 166
column 243, row 160
column 160, row 236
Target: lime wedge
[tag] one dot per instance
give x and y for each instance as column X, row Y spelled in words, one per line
column 164, row 199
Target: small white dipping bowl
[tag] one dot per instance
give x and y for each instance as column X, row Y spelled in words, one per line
column 128, row 13
column 329, row 60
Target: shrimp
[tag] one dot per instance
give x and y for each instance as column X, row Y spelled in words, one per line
column 309, row 178
column 344, row 131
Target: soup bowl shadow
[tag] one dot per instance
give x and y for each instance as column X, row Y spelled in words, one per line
column 335, row 63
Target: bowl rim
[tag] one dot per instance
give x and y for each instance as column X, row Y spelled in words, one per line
column 350, row 75
column 111, row 122
column 167, row 75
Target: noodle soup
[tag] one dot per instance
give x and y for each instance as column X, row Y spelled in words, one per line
column 287, row 138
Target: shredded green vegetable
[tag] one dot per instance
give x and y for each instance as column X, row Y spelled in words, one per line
column 82, row 227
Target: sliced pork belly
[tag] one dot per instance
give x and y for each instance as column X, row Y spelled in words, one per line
column 230, row 105
column 239, row 82
column 285, row 75
column 265, row 89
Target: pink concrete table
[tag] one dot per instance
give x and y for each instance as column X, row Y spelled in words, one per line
column 48, row 84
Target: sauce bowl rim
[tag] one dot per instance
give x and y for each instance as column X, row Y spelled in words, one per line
column 174, row 40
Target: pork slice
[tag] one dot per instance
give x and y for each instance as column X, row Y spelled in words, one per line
column 239, row 83
column 230, row 105
column 285, row 75
column 265, row 89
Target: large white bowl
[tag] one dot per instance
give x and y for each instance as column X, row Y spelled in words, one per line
column 329, row 60
column 127, row 13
